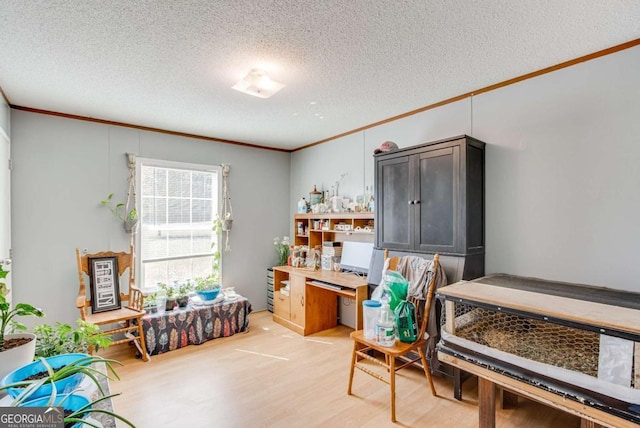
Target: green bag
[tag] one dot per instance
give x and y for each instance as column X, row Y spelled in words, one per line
column 406, row 321
column 397, row 286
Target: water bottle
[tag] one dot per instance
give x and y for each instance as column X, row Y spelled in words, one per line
column 371, row 314
column 386, row 327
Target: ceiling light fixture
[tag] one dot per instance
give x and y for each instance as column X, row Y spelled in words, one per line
column 258, row 84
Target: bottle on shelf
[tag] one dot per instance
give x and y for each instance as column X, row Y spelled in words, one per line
column 302, row 206
column 365, row 199
column 315, row 196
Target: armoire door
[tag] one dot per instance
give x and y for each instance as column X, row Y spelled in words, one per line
column 394, row 213
column 438, row 210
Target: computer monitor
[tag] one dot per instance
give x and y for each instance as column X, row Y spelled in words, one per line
column 356, row 257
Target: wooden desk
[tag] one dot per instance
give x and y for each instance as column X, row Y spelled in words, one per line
column 311, row 307
column 526, row 378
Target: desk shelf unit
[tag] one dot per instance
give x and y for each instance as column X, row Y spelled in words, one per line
column 318, row 228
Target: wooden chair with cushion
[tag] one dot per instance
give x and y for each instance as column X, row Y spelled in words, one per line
column 125, row 320
column 401, row 355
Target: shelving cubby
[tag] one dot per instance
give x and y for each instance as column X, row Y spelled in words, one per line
column 320, row 228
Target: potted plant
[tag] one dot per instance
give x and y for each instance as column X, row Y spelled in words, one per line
column 121, row 212
column 15, row 349
column 227, row 222
column 183, row 293
column 77, row 407
column 282, row 249
column 62, row 338
column 209, row 287
column 170, row 294
column 50, row 376
column 151, row 303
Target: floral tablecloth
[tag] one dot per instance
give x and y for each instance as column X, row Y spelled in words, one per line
column 194, row 325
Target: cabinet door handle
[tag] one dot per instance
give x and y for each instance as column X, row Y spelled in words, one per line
column 417, row 201
column 410, row 202
column 301, row 300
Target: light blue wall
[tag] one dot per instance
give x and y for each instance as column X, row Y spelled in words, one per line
column 64, row 167
column 562, row 174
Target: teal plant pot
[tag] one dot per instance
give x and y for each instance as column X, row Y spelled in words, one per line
column 209, row 294
column 63, row 386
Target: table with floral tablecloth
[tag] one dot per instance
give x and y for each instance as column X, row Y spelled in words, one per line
column 195, row 324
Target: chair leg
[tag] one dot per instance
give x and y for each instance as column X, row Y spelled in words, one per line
column 392, row 384
column 427, row 372
column 143, row 345
column 353, row 365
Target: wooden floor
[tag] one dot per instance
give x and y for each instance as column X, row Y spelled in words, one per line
column 272, row 377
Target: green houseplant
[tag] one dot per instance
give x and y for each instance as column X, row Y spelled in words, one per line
column 282, row 249
column 170, row 293
column 15, row 349
column 119, row 210
column 183, row 293
column 151, row 303
column 7, row 315
column 209, row 283
column 62, row 338
column 3, row 287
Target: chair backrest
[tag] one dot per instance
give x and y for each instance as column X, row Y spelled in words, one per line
column 423, row 307
column 393, row 263
column 125, row 261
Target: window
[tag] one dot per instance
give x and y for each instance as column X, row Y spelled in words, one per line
column 177, row 205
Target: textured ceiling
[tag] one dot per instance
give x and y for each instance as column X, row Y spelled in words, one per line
column 171, row 64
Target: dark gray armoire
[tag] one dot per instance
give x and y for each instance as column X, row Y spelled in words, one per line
column 430, row 199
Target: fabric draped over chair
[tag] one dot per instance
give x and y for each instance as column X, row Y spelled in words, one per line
column 419, row 272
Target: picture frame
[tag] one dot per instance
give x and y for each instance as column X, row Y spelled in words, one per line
column 104, row 284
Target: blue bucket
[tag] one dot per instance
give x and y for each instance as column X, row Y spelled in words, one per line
column 63, row 386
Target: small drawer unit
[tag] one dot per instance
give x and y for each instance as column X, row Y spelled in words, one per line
column 270, row 289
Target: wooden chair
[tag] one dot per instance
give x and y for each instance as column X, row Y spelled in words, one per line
column 362, row 348
column 129, row 317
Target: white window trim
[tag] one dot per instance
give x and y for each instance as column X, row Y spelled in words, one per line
column 175, row 165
